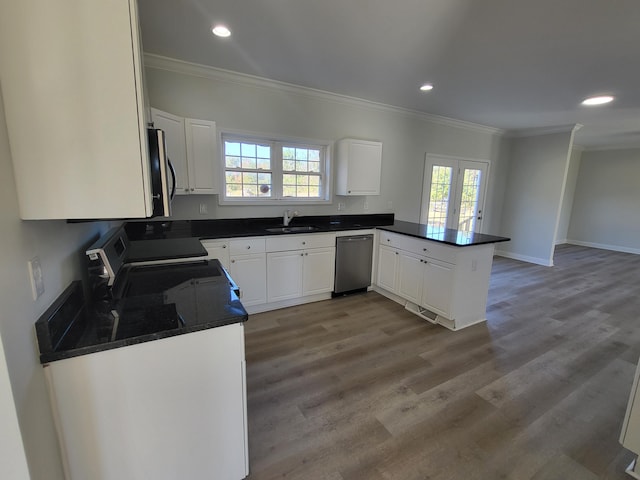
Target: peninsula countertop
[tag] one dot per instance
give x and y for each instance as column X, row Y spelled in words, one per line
column 244, row 227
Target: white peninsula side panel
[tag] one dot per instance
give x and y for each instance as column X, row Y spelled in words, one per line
column 163, row 409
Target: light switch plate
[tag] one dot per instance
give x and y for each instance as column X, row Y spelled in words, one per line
column 35, row 275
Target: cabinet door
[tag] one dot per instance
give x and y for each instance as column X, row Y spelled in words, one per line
column 359, row 167
column 250, row 274
column 219, row 250
column 410, row 275
column 74, row 108
column 174, row 129
column 387, row 268
column 437, row 289
column 318, row 271
column 284, row 275
column 201, row 156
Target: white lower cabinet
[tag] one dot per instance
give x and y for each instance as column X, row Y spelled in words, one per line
column 218, row 249
column 250, row 274
column 388, row 268
column 410, row 274
column 318, row 270
column 300, row 266
column 275, row 269
column 284, row 275
column 437, row 287
column 442, row 283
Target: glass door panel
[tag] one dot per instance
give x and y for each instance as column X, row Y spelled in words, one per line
column 471, row 182
column 453, row 194
column 439, row 197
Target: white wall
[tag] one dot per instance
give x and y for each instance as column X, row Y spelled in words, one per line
column 534, row 188
column 238, row 103
column 59, row 246
column 13, row 462
column 569, row 192
column 606, row 208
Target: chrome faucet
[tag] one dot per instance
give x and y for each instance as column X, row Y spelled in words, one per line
column 288, row 216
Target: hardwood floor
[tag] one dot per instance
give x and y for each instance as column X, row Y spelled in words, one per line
column 358, row 388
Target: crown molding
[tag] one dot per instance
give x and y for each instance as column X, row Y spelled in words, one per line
column 159, row 62
column 534, row 132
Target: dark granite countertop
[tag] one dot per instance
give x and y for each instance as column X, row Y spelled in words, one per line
column 147, row 303
column 449, row 236
column 245, row 227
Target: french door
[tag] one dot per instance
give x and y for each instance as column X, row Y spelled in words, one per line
column 453, row 193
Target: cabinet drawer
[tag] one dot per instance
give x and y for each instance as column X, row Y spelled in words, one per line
column 427, row 248
column 298, row 242
column 245, row 246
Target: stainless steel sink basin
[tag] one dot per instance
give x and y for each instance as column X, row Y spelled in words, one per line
column 309, row 228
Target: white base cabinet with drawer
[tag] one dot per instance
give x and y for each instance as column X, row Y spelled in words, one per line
column 278, row 271
column 442, row 283
column 248, row 268
column 300, row 266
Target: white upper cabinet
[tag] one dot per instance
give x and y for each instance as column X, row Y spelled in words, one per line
column 191, row 145
column 359, row 163
column 201, row 156
column 176, row 141
column 71, row 75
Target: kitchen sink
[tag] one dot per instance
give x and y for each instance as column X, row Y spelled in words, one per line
column 301, row 229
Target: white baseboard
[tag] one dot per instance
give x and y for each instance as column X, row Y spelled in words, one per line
column 604, row 246
column 524, row 258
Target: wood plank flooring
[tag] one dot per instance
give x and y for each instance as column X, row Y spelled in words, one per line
column 358, row 388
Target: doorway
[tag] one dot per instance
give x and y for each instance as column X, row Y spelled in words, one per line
column 453, row 193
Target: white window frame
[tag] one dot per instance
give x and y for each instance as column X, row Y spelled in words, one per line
column 277, row 142
column 455, row 195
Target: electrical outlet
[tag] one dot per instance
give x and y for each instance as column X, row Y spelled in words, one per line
column 366, row 205
column 203, row 208
column 340, row 206
column 35, row 275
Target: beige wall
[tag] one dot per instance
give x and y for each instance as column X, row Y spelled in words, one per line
column 59, row 247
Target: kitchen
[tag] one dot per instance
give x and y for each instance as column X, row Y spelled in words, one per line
column 406, row 137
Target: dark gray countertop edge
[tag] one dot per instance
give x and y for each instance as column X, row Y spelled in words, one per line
column 418, row 230
column 77, row 352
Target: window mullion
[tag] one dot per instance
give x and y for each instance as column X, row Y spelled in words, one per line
column 276, row 155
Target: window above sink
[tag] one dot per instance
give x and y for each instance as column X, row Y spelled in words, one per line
column 261, row 170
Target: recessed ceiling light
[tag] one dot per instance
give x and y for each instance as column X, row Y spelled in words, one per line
column 221, row 31
column 426, row 87
column 599, row 100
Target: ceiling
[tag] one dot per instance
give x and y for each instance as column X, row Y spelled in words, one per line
column 510, row 64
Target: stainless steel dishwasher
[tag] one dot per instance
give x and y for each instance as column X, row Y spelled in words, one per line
column 354, row 254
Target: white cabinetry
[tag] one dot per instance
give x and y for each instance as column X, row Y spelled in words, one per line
column 442, row 283
column 388, row 268
column 248, row 269
column 299, row 266
column 410, row 276
column 201, row 156
column 359, row 164
column 191, row 145
column 165, row 409
column 630, row 434
column 218, row 249
column 72, row 85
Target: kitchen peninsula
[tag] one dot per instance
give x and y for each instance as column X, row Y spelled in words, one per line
column 442, row 275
